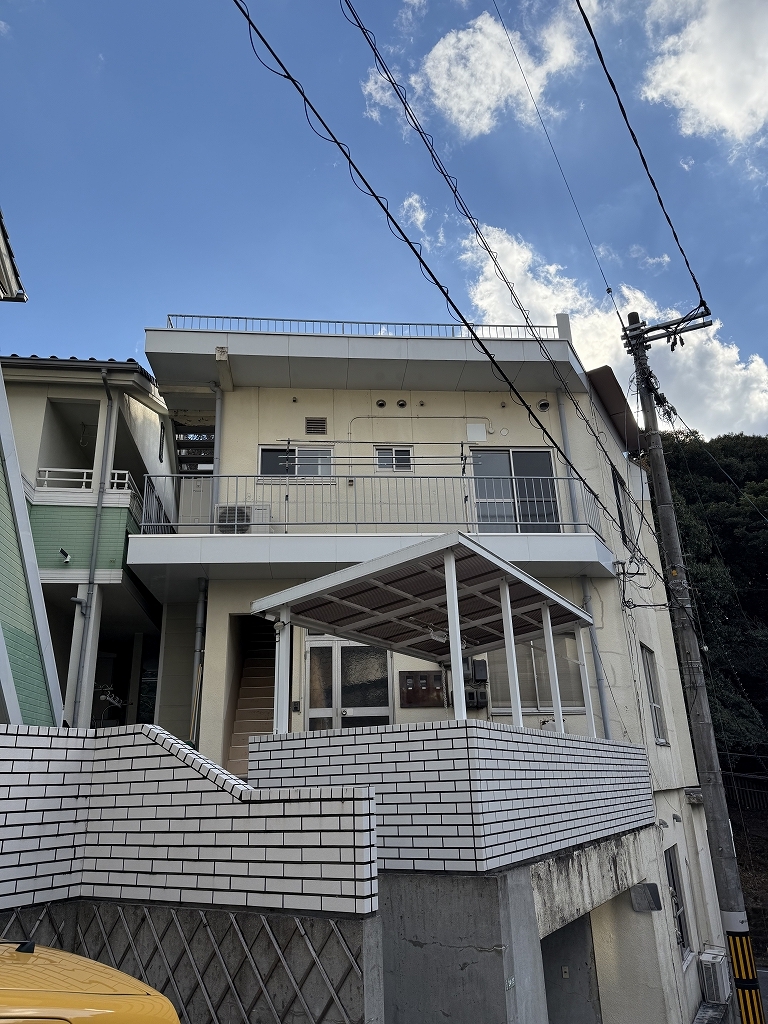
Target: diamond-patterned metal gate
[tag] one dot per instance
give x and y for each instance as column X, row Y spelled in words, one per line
column 216, row 966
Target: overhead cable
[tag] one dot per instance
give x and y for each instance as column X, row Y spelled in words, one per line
column 599, row 52
column 399, row 232
column 608, row 288
column 461, row 205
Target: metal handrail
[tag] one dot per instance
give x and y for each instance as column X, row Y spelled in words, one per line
column 177, row 503
column 265, row 325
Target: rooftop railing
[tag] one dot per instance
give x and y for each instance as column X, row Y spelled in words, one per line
column 378, row 503
column 371, row 329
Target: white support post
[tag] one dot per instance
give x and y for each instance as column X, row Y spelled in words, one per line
column 283, row 673
column 554, row 683
column 580, row 653
column 509, row 650
column 454, row 637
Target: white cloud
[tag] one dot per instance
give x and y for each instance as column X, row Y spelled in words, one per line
column 414, row 212
column 409, row 12
column 638, row 253
column 713, row 70
column 714, row 389
column 472, row 77
column 687, row 164
column 378, row 93
column 5, row 28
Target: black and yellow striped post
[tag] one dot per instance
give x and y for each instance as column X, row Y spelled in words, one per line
column 745, row 978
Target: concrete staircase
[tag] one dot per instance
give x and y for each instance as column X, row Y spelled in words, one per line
column 255, row 704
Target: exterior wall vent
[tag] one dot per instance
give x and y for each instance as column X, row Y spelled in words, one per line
column 315, row 425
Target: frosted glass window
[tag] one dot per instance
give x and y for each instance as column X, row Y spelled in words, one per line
column 364, row 678
column 321, row 677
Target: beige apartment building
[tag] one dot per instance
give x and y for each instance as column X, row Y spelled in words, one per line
column 344, row 462
column 428, row 671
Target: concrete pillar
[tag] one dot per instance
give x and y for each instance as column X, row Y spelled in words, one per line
column 523, row 965
column 580, row 653
column 509, row 650
column 454, row 637
column 554, row 683
column 78, row 706
column 461, row 948
column 283, row 673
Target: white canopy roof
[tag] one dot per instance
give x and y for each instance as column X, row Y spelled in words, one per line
column 399, row 601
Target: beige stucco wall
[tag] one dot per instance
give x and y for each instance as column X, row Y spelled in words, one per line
column 28, row 402
column 174, row 678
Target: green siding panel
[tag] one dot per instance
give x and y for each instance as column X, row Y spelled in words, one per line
column 71, row 527
column 18, row 621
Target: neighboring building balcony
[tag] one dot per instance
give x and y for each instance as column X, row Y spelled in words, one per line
column 67, row 486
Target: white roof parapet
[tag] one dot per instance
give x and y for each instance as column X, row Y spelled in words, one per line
column 183, row 358
column 398, row 601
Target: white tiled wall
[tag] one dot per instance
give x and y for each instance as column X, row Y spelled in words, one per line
column 470, row 796
column 132, row 813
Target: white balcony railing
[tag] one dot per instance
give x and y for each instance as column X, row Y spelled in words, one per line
column 49, row 478
column 384, row 503
column 69, row 479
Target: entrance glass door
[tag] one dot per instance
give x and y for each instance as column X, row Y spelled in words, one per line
column 348, row 685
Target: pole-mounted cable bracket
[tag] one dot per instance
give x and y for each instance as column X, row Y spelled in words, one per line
column 670, row 330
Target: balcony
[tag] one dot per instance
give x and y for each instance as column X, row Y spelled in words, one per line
column 62, row 486
column 236, row 505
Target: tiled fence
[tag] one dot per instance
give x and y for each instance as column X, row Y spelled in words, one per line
column 470, row 796
column 134, row 814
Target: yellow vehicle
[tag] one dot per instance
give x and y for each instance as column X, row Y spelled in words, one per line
column 47, row 986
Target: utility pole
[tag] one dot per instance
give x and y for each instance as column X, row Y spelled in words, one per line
column 638, row 337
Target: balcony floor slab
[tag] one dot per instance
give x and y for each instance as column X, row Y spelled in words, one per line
column 168, row 563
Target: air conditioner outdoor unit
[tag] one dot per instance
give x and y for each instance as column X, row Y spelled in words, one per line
column 715, row 980
column 243, row 518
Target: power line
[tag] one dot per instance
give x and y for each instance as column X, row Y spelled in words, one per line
column 608, row 288
column 399, row 232
column 702, row 303
column 461, row 205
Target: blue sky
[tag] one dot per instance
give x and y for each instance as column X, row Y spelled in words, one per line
column 150, row 165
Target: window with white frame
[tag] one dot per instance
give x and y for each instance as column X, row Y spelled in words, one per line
column 533, row 676
column 296, row 461
column 674, row 880
column 394, row 459
column 515, row 490
column 654, row 694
